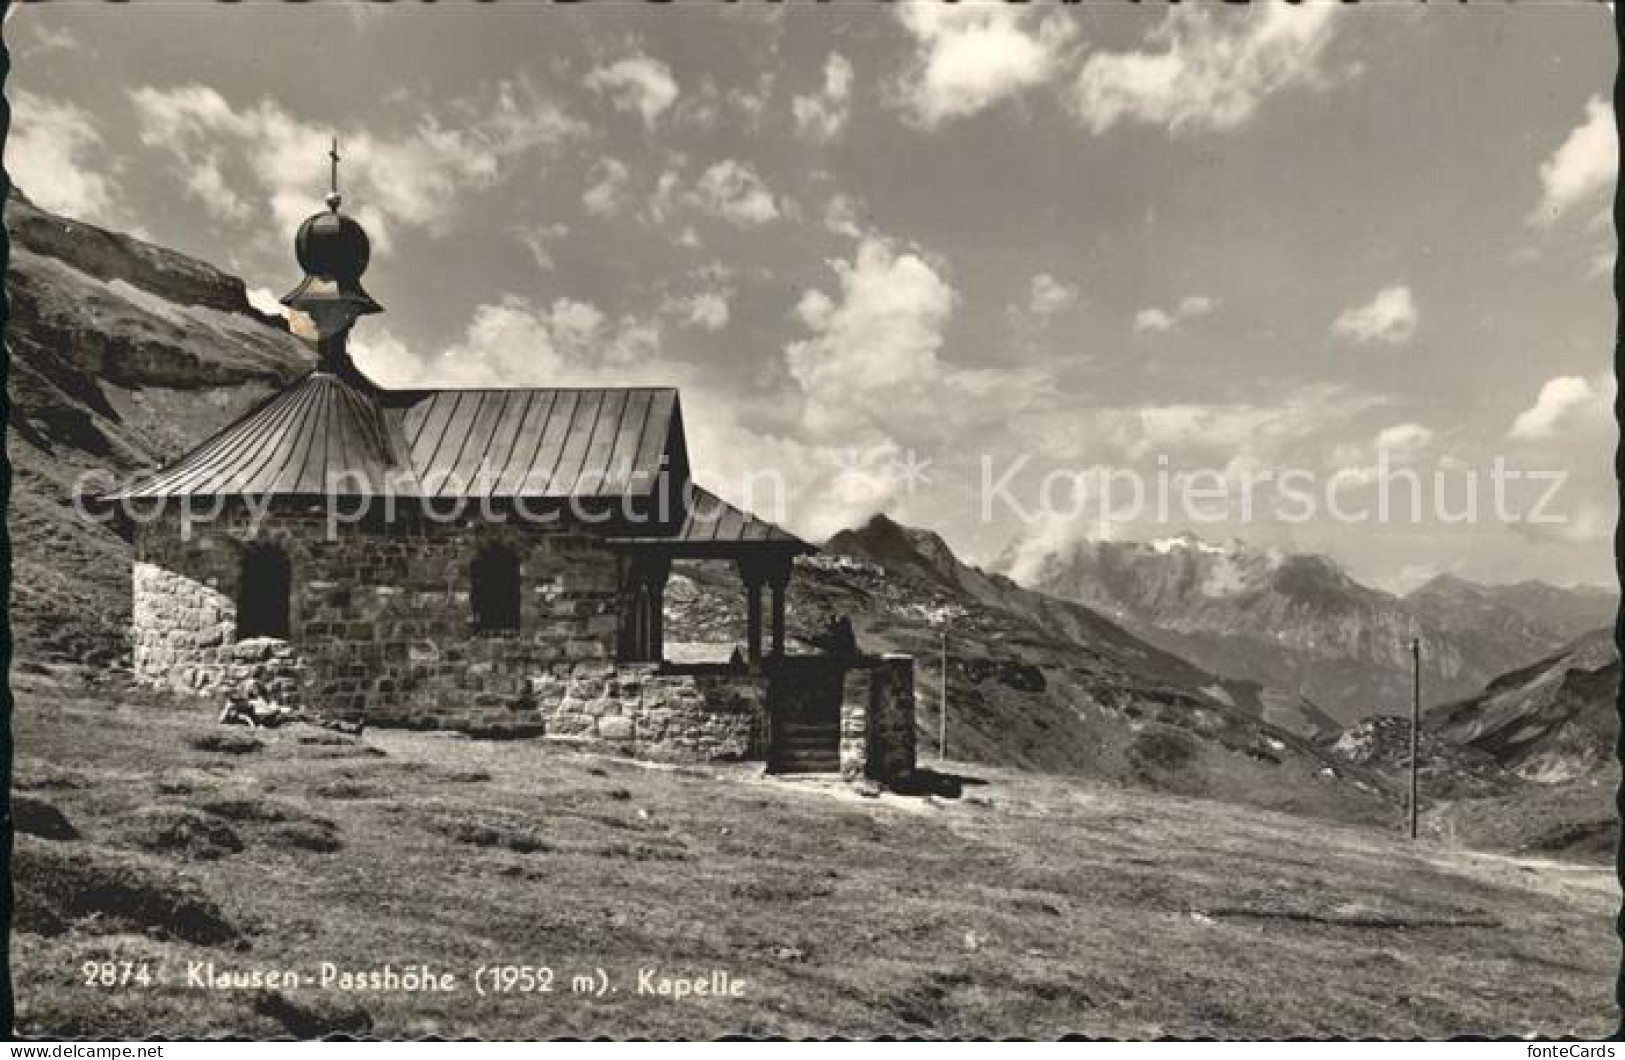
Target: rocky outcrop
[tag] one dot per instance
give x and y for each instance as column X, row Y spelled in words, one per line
column 1446, row 769
column 1549, row 723
column 110, row 256
column 124, row 355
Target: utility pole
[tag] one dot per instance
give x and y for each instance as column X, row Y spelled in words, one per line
column 942, row 701
column 1416, row 719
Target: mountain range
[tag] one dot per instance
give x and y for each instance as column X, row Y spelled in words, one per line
column 1303, row 625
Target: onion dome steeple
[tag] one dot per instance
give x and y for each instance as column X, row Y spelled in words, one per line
column 333, row 250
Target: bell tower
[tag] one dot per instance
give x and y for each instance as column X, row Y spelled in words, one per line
column 333, row 250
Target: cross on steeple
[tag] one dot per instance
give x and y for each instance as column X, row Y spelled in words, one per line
column 333, row 198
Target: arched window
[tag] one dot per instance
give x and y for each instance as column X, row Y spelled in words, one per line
column 263, row 585
column 494, row 590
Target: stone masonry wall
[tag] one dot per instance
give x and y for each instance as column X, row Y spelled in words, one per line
column 877, row 719
column 647, row 711
column 892, row 736
column 639, row 710
column 379, row 616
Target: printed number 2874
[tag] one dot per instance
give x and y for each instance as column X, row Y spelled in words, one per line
column 116, row 973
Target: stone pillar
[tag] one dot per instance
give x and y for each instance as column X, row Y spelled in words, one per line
column 892, row 739
column 857, row 690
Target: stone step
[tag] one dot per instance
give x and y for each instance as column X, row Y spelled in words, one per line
column 808, row 765
column 821, row 742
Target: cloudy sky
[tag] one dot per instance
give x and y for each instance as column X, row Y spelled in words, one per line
column 940, row 261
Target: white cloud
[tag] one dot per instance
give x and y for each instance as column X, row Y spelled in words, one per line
column 701, row 108
column 1581, row 172
column 708, row 305
column 751, row 103
column 639, row 84
column 261, row 155
column 1154, row 319
column 707, row 310
column 824, row 114
column 841, row 216
column 48, row 38
column 875, row 345
column 606, row 188
column 1202, row 70
column 1404, row 442
column 870, row 375
column 539, row 240
column 732, row 191
column 662, row 202
column 1389, row 318
column 1583, row 524
column 263, row 299
column 1565, row 401
column 709, row 106
column 514, row 342
column 1570, row 427
column 868, row 378
column 57, row 157
column 1049, row 296
column 385, row 358
column 968, row 57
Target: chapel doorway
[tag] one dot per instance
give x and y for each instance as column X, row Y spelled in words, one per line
column 264, row 583
column 804, row 705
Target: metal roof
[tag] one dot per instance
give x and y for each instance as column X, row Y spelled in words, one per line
column 330, row 436
column 321, row 436
column 709, row 521
column 541, row 443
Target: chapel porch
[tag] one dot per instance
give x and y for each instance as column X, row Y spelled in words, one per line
column 820, row 712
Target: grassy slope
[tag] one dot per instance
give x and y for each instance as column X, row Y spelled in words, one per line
column 1032, row 905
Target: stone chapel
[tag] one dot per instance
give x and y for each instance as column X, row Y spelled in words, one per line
column 492, row 561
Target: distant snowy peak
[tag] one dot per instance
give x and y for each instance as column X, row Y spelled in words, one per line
column 1188, row 541
column 1303, row 623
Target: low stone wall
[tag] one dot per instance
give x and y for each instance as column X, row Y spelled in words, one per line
column 183, row 630
column 643, row 710
column 721, row 713
column 274, row 664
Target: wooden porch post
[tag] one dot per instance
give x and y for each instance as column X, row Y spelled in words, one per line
column 643, row 608
column 659, row 571
column 777, row 579
column 752, row 574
